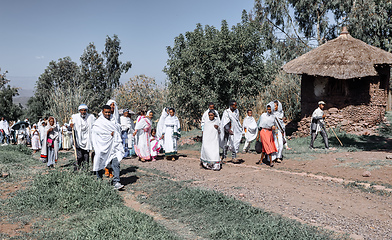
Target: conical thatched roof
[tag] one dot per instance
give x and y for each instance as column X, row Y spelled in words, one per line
column 343, row 58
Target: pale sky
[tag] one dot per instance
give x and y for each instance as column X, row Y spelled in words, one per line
column 33, row 33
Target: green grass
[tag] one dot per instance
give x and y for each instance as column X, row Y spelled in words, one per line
column 215, row 216
column 17, row 161
column 69, row 205
column 369, row 190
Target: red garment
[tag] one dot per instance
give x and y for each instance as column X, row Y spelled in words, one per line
column 267, row 140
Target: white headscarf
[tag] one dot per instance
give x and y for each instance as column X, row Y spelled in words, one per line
column 115, row 116
column 161, row 123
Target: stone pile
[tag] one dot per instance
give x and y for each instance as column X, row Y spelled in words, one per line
column 359, row 120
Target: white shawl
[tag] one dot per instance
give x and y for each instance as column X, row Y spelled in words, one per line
column 161, row 124
column 106, row 146
column 210, row 144
column 235, row 139
column 116, row 115
column 83, row 135
column 205, row 117
column 251, row 128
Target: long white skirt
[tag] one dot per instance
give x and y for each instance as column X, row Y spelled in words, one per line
column 66, row 141
column 35, row 142
column 170, row 144
column 209, row 155
column 142, row 145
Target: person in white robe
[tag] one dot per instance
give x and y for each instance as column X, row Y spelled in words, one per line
column 142, row 136
column 66, row 143
column 231, row 132
column 21, row 135
column 35, row 139
column 82, row 123
column 318, row 125
column 5, row 129
column 127, row 128
column 204, row 118
column 114, row 110
column 41, row 130
column 50, row 143
column 154, row 144
column 161, row 126
column 250, row 130
column 107, row 143
column 171, row 135
column 209, row 157
column 279, row 136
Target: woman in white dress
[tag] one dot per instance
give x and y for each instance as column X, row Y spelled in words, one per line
column 171, row 134
column 209, row 157
column 50, row 144
column 35, row 139
column 142, row 136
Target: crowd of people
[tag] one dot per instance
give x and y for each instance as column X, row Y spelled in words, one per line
column 111, row 137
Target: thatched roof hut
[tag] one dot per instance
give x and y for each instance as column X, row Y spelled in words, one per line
column 348, row 74
column 342, row 58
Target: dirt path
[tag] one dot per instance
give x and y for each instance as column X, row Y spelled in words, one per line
column 311, row 200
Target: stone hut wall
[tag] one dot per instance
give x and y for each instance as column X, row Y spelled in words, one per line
column 354, row 105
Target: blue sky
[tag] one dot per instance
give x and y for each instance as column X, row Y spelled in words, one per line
column 35, row 32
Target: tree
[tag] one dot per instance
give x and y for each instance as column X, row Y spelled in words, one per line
column 91, row 83
column 307, row 20
column 113, row 66
column 141, row 93
column 61, row 74
column 8, row 109
column 216, row 65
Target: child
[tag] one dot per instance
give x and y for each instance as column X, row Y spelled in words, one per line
column 155, row 146
column 250, row 129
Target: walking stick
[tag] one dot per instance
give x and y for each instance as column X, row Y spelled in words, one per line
column 74, row 142
column 335, row 134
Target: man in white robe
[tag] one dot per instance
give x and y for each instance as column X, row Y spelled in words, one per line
column 250, row 129
column 211, row 106
column 209, row 157
column 108, row 147
column 82, row 123
column 41, row 130
column 231, row 131
column 317, row 125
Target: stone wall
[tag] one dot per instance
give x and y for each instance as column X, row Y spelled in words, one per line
column 358, row 111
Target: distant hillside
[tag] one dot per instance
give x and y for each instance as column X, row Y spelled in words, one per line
column 24, row 96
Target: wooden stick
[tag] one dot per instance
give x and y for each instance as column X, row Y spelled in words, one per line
column 74, row 142
column 335, row 134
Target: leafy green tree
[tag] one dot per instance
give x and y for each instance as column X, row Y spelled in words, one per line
column 321, row 20
column 208, row 64
column 61, row 74
column 8, row 109
column 91, row 83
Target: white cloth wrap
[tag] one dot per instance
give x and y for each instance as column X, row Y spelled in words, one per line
column 106, row 146
column 318, row 113
column 235, row 139
column 83, row 128
column 210, row 143
column 251, row 128
column 172, row 125
column 142, row 138
column 267, row 120
column 205, row 117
